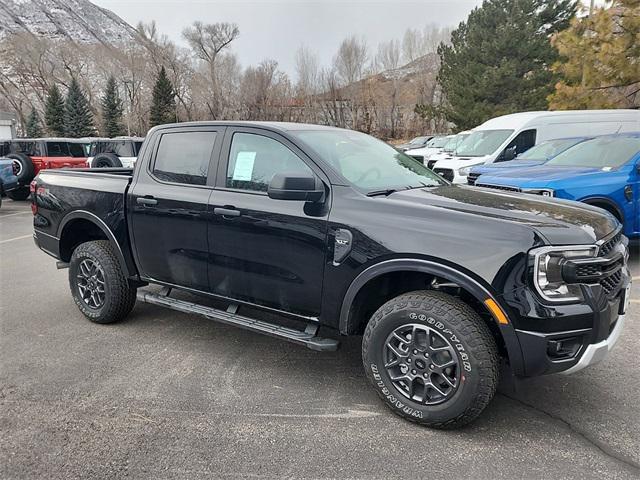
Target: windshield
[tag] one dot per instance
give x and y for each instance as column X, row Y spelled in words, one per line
column 437, row 142
column 549, row 149
column 602, row 152
column 454, row 141
column 417, row 141
column 482, row 142
column 368, row 163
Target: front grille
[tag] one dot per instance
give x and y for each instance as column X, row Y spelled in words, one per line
column 446, row 173
column 588, row 271
column 610, row 244
column 506, row 188
column 431, row 163
column 472, row 177
column 611, row 284
column 419, row 158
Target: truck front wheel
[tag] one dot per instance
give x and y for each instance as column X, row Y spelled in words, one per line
column 431, row 359
column 98, row 284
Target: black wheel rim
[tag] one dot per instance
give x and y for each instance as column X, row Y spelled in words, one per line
column 422, row 364
column 90, row 282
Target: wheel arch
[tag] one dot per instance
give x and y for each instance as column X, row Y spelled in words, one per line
column 81, row 226
column 606, row 204
column 505, row 333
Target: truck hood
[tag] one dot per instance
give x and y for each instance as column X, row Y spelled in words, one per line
column 456, row 163
column 560, row 222
column 499, row 167
column 537, row 176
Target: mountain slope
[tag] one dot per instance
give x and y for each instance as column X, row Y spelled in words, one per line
column 77, row 20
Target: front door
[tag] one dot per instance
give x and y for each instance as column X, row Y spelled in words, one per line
column 168, row 204
column 264, row 251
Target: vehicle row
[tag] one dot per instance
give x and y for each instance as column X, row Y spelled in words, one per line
column 28, row 156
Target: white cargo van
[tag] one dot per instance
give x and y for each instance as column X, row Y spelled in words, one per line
column 503, row 138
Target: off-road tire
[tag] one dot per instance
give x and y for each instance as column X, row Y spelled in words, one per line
column 106, row 160
column 463, row 328
column 119, row 295
column 26, row 170
column 19, row 194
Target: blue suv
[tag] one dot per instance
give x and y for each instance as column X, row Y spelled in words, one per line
column 536, row 155
column 603, row 171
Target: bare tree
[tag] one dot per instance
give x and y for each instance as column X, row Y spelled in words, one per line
column 351, row 59
column 207, row 42
column 388, row 56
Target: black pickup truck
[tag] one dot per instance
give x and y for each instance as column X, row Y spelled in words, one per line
column 308, row 233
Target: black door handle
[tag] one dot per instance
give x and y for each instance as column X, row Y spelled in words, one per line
column 148, row 200
column 226, row 212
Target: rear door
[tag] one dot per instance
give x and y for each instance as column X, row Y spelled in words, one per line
column 167, row 206
column 264, row 251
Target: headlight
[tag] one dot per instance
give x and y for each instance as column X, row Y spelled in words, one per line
column 547, row 272
column 464, row 171
column 545, row 192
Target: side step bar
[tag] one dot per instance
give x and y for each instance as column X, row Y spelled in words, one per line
column 307, row 338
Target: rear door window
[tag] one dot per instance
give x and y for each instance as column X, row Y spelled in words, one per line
column 184, row 157
column 28, row 148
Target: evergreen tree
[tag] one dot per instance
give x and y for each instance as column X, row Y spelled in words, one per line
column 78, row 119
column 54, row 112
column 33, row 127
column 112, row 110
column 499, row 60
column 598, row 69
column 163, row 102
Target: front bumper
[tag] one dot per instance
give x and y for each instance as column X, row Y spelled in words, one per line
column 596, row 352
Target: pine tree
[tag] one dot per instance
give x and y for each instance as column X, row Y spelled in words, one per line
column 54, row 112
column 78, row 119
column 597, row 70
column 33, row 127
column 112, row 110
column 163, row 102
column 499, row 60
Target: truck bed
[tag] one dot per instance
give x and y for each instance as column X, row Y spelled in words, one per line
column 71, row 195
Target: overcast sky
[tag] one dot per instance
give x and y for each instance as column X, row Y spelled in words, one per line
column 275, row 29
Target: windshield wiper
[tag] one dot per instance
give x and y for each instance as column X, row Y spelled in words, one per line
column 386, row 192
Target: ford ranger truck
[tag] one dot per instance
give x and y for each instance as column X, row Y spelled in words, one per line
column 308, row 233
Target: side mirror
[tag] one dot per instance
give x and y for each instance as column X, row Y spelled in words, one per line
column 509, row 153
column 296, row 186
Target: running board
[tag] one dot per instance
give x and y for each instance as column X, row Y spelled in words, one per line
column 307, row 338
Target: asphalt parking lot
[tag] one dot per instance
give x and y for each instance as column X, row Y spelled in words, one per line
column 167, row 395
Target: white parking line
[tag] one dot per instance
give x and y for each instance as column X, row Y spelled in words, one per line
column 16, row 238
column 12, row 214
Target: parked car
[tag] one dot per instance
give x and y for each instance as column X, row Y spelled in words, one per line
column 603, row 171
column 31, row 155
column 8, row 179
column 417, row 142
column 538, row 155
column 448, row 151
column 433, row 146
column 330, row 231
column 504, row 138
column 114, row 152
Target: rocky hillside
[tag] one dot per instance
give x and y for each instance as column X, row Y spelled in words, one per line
column 77, row 20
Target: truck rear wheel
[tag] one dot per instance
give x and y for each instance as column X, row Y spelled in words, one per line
column 19, row 194
column 431, row 358
column 98, row 284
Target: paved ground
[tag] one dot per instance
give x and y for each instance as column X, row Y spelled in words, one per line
column 166, row 395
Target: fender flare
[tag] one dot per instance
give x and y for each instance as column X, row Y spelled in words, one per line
column 479, row 291
column 97, row 221
column 607, row 201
